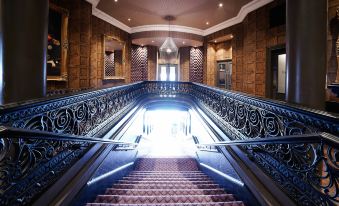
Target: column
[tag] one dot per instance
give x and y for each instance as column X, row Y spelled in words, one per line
column 24, row 25
column 306, row 35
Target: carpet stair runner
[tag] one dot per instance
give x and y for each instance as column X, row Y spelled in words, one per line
column 166, row 181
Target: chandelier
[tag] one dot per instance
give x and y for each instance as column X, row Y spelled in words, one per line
column 168, row 50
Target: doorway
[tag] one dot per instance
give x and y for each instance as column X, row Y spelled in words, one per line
column 276, row 73
column 168, row 72
column 224, row 74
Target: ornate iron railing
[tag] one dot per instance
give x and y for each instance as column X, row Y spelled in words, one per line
column 29, row 165
column 239, row 116
column 244, row 117
column 312, row 157
column 31, row 160
column 80, row 114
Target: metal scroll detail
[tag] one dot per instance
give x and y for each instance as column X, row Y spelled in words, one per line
column 79, row 115
column 307, row 172
column 29, row 166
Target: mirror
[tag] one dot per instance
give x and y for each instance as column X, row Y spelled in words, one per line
column 57, row 43
column 114, row 51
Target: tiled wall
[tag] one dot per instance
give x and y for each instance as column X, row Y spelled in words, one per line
column 85, row 55
column 216, row 52
column 184, row 63
column 248, row 51
column 99, row 29
column 139, row 64
column 196, row 64
column 152, row 62
column 251, row 39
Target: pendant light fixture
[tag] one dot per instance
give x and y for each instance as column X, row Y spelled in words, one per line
column 168, row 50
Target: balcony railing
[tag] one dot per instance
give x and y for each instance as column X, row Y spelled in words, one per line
column 241, row 117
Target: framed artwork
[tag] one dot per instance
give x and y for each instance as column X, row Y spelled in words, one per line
column 57, row 43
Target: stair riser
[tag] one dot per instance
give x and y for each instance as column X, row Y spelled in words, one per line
column 164, row 192
column 165, row 182
column 163, row 199
column 166, row 179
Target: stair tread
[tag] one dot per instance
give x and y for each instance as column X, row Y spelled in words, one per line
column 231, row 203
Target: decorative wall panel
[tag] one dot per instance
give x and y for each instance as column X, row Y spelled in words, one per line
column 196, row 64
column 139, row 67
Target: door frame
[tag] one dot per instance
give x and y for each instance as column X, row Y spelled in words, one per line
column 269, row 73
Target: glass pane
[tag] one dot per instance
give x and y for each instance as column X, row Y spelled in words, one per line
column 281, row 73
column 228, row 82
column 172, row 74
column 163, row 74
column 222, row 77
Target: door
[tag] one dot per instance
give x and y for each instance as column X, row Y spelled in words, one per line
column 276, row 84
column 168, row 72
column 224, row 74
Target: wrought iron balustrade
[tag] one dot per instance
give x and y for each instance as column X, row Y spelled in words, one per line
column 79, row 114
column 312, row 158
column 31, row 160
column 39, row 161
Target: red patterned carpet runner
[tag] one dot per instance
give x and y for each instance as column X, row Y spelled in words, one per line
column 166, row 181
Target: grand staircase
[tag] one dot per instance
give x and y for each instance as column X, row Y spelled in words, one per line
column 166, row 181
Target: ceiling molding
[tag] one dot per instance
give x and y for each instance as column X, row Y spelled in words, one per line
column 244, row 11
column 94, row 2
column 164, row 27
column 253, row 5
column 102, row 15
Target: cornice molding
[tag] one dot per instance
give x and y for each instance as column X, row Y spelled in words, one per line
column 164, row 27
column 94, row 2
column 244, row 11
column 102, row 15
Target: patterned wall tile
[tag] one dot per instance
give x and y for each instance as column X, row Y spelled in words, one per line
column 109, row 64
column 139, row 67
column 196, row 64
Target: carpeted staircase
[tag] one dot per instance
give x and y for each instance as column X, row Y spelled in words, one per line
column 166, row 181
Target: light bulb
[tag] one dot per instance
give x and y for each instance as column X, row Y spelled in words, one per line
column 168, row 50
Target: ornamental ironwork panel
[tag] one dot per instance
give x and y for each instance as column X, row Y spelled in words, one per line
column 80, row 114
column 29, row 166
column 308, row 173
